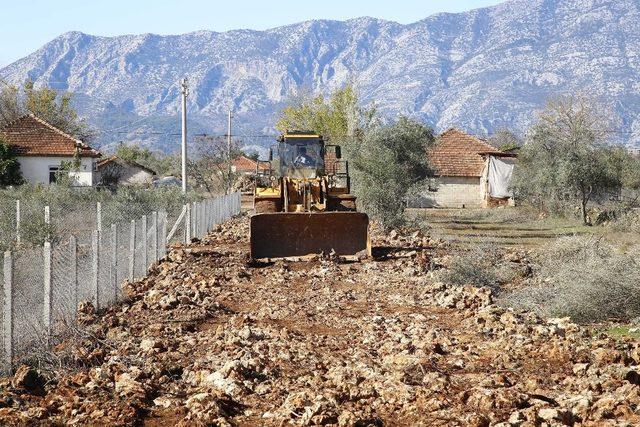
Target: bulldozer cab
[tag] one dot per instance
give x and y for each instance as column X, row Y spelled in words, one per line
column 301, row 155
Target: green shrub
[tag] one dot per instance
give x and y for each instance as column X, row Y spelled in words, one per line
column 10, row 173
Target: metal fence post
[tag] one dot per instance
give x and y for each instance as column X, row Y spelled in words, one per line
column 214, row 203
column 73, row 272
column 145, row 263
column 199, row 220
column 154, row 236
column 95, row 267
column 46, row 310
column 194, row 220
column 114, row 260
column 99, row 216
column 216, row 211
column 205, row 223
column 47, row 220
column 187, row 224
column 163, row 234
column 132, row 250
column 203, row 218
column 18, row 237
column 8, row 313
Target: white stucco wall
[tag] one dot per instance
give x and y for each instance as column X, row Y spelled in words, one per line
column 454, row 192
column 35, row 169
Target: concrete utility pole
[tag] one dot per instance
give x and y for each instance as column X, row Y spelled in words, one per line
column 185, row 92
column 229, row 153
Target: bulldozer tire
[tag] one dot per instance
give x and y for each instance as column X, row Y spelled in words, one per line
column 267, row 206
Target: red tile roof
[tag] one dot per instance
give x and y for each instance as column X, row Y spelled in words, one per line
column 31, row 136
column 117, row 160
column 245, row 164
column 457, row 153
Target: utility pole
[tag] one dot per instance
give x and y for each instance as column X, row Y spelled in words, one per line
column 185, row 92
column 229, row 153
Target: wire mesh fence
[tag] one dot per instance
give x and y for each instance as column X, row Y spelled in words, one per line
column 87, row 260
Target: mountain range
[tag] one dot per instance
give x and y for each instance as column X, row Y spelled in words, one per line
column 480, row 70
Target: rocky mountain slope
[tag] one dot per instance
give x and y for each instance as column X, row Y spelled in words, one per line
column 480, row 70
column 208, row 339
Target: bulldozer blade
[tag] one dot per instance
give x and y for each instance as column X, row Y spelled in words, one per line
column 281, row 235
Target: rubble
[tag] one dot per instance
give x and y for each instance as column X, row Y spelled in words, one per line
column 209, row 339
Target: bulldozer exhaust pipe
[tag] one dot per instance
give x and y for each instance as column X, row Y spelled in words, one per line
column 297, row 234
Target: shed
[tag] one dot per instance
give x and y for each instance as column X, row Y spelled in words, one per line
column 117, row 171
column 468, row 173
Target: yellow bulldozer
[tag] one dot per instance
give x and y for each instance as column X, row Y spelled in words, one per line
column 303, row 205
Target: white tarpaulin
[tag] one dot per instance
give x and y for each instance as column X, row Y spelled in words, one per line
column 500, row 173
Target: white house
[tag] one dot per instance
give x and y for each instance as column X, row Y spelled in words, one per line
column 117, row 171
column 469, row 173
column 41, row 148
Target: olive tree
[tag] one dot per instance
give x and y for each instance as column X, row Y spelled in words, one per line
column 210, row 168
column 565, row 158
column 504, row 140
column 53, row 106
column 9, row 167
column 10, row 106
column 162, row 164
column 389, row 165
column 338, row 117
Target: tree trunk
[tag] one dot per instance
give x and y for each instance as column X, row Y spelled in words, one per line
column 584, row 211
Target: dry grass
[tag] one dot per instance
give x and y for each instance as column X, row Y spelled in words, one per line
column 481, row 266
column 584, row 278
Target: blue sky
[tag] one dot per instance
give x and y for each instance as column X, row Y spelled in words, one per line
column 28, row 24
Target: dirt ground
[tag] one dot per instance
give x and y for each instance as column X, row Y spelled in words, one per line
column 211, row 339
column 507, row 227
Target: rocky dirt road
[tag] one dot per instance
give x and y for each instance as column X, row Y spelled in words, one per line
column 208, row 339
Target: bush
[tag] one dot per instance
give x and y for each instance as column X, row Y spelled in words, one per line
column 10, row 173
column 389, row 166
column 627, row 222
column 73, row 210
column 482, row 266
column 583, row 278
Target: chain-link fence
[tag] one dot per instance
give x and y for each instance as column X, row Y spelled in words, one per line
column 87, row 256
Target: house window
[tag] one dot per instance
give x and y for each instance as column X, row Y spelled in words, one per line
column 53, row 174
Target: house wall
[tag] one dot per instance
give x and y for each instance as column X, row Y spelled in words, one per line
column 453, row 192
column 35, row 169
column 132, row 175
